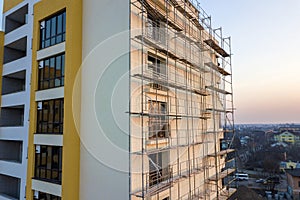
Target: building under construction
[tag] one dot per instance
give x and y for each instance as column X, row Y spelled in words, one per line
column 181, row 80
column 117, row 100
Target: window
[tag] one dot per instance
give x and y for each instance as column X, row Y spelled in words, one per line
column 48, row 163
column 158, row 123
column 53, row 30
column 157, row 66
column 52, row 72
column 45, row 196
column 159, row 169
column 155, row 30
column 50, row 116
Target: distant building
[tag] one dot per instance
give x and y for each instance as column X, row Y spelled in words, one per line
column 290, row 128
column 289, row 165
column 293, row 181
column 244, row 140
column 287, row 136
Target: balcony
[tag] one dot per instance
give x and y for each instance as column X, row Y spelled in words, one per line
column 12, row 116
column 13, row 83
column 15, row 50
column 16, row 19
column 9, row 187
column 11, row 151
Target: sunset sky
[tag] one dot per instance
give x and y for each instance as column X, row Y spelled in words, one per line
column 265, row 43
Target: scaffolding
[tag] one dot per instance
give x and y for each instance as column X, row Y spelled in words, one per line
column 182, row 114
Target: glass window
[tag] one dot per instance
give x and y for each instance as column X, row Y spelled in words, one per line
column 45, row 196
column 158, row 122
column 159, row 169
column 50, row 116
column 51, row 72
column 53, row 30
column 48, row 163
column 157, row 66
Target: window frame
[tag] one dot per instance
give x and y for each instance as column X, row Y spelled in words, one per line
column 47, row 113
column 50, row 32
column 158, row 125
column 45, row 81
column 45, row 163
column 157, row 65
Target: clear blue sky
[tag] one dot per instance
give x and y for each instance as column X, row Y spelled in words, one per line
column 266, row 43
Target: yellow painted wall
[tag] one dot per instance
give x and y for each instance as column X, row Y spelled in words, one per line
column 70, row 167
column 9, row 4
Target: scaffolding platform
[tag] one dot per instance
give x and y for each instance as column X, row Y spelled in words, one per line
column 180, row 6
column 225, row 194
column 216, row 47
column 162, row 81
column 221, row 153
column 217, row 68
column 205, row 115
column 161, row 48
column 169, row 147
column 160, row 13
column 154, row 190
column 218, row 90
column 221, row 175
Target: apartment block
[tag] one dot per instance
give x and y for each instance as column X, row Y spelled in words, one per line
column 123, row 99
column 16, row 60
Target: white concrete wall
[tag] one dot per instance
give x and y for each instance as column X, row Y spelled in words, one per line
column 104, row 124
column 19, row 170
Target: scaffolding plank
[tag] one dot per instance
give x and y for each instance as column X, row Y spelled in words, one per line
column 216, row 47
column 159, row 13
column 181, row 8
column 217, row 110
column 154, row 190
column 225, row 194
column 167, row 148
column 164, row 82
column 217, row 68
column 218, row 90
column 205, row 115
column 161, row 48
column 221, row 153
column 221, row 175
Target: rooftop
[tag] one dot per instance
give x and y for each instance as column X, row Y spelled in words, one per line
column 293, row 172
